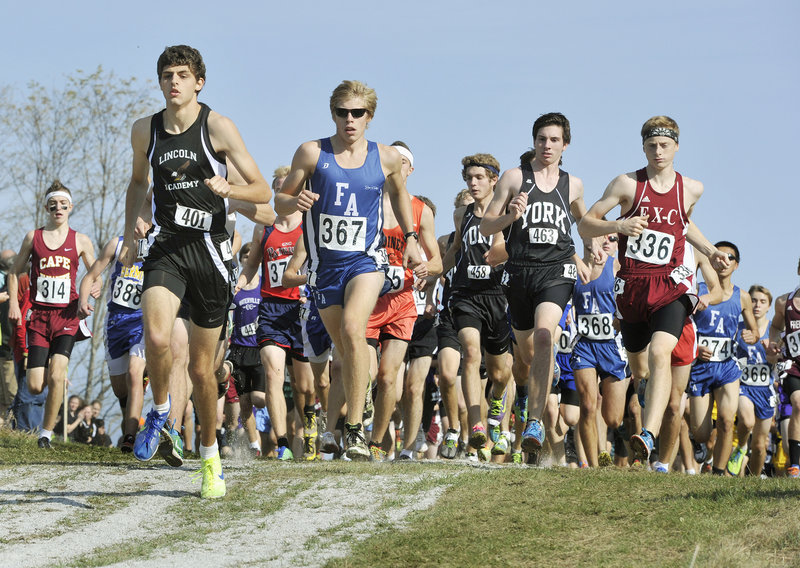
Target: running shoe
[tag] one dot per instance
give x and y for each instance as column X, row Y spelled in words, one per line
column 171, row 446
column 497, row 411
column 660, row 467
column 403, row 457
column 471, row 456
column 450, row 446
column 735, row 463
column 700, row 451
column 285, row 454
column 604, row 459
column 570, row 451
column 310, row 424
column 328, row 443
column 502, row 446
column 44, row 443
column 516, row 458
column 533, row 436
column 149, row 437
column 521, row 409
column 642, row 445
column 213, row 485
column 127, row 444
column 533, row 459
column 255, row 453
column 793, row 471
column 376, row 453
column 484, row 454
column 478, row 438
column 356, row 444
column 309, row 448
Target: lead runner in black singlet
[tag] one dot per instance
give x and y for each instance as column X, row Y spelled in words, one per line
column 186, row 145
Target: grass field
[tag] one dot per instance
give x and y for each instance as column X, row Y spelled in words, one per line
column 410, row 514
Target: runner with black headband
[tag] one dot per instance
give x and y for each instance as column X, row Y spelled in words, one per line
column 539, row 202
column 654, row 279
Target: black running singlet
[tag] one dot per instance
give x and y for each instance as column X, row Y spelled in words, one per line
column 471, row 271
column 543, row 235
column 182, row 203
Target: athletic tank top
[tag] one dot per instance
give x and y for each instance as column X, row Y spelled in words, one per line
column 717, row 324
column 182, row 203
column 543, row 234
column 756, row 371
column 347, row 221
column 792, row 334
column 278, row 247
column 245, row 317
column 402, row 279
column 125, row 294
column 661, row 247
column 53, row 272
column 471, row 271
column 595, row 305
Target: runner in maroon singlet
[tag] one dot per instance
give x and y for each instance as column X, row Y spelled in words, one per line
column 653, row 280
column 54, row 251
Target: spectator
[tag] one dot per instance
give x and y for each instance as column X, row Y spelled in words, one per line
column 75, row 407
column 28, row 409
column 86, row 429
column 8, row 380
column 101, row 438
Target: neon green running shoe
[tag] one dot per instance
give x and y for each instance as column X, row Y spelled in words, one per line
column 484, row 455
column 516, row 458
column 497, row 411
column 736, row 461
column 502, row 446
column 213, row 486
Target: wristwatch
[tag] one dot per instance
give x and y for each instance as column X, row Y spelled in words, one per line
column 411, row 234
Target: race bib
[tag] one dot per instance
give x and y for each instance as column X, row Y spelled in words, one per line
column 249, row 329
column 479, row 271
column 756, row 375
column 540, row 236
column 619, row 286
column 50, row 290
column 226, row 250
column 192, row 218
column 570, row 271
column 680, row 274
column 564, row 343
column 276, row 268
column 596, row 326
column 305, row 311
column 397, row 276
column 653, row 247
column 127, row 293
column 793, row 343
column 142, row 248
column 721, row 347
column 342, row 233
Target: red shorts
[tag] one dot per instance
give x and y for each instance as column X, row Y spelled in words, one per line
column 644, row 294
column 685, row 351
column 394, row 315
column 45, row 324
column 231, row 396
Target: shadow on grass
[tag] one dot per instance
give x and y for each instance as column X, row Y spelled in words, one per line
column 69, row 498
column 729, row 493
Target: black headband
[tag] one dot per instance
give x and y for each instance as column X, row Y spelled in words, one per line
column 661, row 131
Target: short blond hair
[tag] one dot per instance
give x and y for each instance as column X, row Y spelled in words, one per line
column 354, row 90
column 461, row 196
column 485, row 161
column 660, row 121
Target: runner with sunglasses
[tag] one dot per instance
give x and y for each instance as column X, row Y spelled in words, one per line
column 539, row 202
column 652, row 286
column 53, row 321
column 342, row 226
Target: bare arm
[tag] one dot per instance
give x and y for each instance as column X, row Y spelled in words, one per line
column 750, row 335
column 226, row 139
column 292, row 276
column 93, row 275
column 137, row 188
column 427, row 238
column 776, row 328
column 711, row 278
column 507, row 204
column 449, row 259
column 395, row 186
column 293, row 195
column 250, row 267
column 619, row 192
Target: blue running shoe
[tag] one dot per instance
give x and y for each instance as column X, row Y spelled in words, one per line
column 642, row 445
column 533, row 437
column 149, row 437
column 285, row 454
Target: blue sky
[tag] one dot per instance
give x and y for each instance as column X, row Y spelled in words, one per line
column 458, row 78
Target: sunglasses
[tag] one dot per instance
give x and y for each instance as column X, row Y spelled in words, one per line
column 55, row 207
column 355, row 112
column 732, row 257
column 613, row 239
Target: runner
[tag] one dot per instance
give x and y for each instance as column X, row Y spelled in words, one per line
column 786, row 321
column 652, row 286
column 477, row 304
column 342, row 227
column 539, row 202
column 54, row 251
column 757, row 397
column 186, row 145
column 716, row 371
column 391, row 324
column 124, row 340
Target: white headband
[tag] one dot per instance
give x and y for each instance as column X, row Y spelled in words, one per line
column 53, row 194
column 406, row 153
